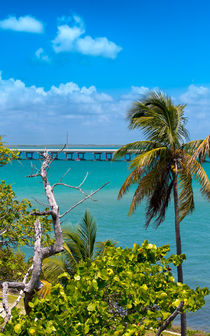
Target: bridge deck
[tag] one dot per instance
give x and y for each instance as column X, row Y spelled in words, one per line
column 66, row 150
column 73, row 154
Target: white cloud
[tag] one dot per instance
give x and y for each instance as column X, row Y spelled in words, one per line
column 197, row 110
column 195, row 94
column 135, row 93
column 22, row 24
column 34, row 114
column 41, row 55
column 71, row 39
column 66, row 38
column 100, row 46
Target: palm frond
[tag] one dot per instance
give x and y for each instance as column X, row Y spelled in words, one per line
column 136, row 147
column 134, row 176
column 52, row 267
column 158, row 202
column 191, row 146
column 160, row 120
column 73, row 244
column 70, row 255
column 87, row 232
column 199, row 174
column 149, row 158
column 203, row 149
column 186, row 199
column 152, row 186
column 45, row 290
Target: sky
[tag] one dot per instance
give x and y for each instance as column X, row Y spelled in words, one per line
column 76, row 67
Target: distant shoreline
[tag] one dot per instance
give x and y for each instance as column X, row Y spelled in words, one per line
column 69, row 145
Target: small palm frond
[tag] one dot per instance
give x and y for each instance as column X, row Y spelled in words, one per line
column 53, row 267
column 186, row 199
column 73, row 245
column 80, row 240
column 87, row 232
column 137, row 147
column 101, row 247
column 69, row 254
column 45, row 290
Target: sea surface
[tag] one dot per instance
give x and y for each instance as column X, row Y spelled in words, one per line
column 112, row 215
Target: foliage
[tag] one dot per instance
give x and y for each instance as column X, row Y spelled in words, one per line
column 79, row 244
column 13, row 266
column 125, row 292
column 6, row 154
column 17, row 223
column 161, row 156
column 17, row 229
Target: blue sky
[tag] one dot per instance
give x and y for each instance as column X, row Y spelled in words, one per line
column 77, row 66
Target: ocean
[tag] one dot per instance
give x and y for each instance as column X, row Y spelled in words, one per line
column 112, row 215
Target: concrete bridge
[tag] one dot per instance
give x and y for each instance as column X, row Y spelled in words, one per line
column 73, row 154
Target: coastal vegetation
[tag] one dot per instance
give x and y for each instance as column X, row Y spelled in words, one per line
column 86, row 288
column 125, row 292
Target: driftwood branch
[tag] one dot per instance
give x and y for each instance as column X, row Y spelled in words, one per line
column 13, row 284
column 71, row 187
column 43, row 213
column 68, row 170
column 53, row 159
column 33, row 175
column 40, row 202
column 5, row 289
column 21, row 292
column 84, row 199
column 170, row 318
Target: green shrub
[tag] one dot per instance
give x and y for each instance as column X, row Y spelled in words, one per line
column 125, row 292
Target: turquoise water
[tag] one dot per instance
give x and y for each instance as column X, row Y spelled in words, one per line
column 112, row 215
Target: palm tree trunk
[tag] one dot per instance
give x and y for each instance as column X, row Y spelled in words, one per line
column 178, row 245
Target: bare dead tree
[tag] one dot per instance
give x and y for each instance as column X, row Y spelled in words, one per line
column 40, row 252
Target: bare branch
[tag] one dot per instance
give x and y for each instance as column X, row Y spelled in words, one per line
column 13, row 284
column 84, row 199
column 34, row 168
column 34, row 282
column 5, row 289
column 39, row 202
column 170, row 318
column 56, row 156
column 83, row 180
column 68, row 170
column 43, row 213
column 21, row 292
column 33, row 175
column 71, row 187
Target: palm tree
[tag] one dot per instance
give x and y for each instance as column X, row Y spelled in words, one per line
column 79, row 244
column 164, row 164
